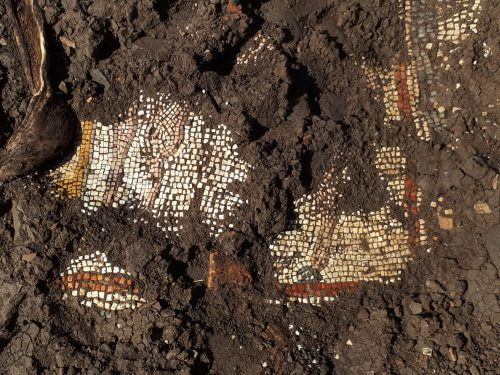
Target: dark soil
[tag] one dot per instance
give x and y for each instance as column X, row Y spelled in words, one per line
column 303, row 105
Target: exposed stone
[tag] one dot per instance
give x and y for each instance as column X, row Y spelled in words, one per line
column 415, row 307
column 445, row 223
column 482, row 208
column 28, row 257
column 452, row 352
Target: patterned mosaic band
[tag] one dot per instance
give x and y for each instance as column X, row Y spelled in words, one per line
column 433, row 29
column 94, row 281
column 156, row 159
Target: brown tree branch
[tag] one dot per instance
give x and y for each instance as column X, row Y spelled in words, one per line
column 47, row 127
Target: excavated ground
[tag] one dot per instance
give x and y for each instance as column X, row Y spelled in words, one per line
column 291, row 114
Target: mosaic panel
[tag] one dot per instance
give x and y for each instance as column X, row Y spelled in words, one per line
column 327, row 249
column 255, row 50
column 96, row 282
column 433, row 29
column 157, row 158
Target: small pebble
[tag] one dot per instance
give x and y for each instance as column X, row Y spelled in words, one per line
column 427, row 351
column 415, row 308
column 67, row 42
column 62, row 86
column 482, row 208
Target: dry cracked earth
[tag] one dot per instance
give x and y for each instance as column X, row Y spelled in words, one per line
column 258, row 187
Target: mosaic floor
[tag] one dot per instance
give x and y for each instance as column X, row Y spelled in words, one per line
column 158, row 158
column 96, row 282
column 410, row 90
column 327, row 250
column 161, row 156
column 255, row 51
